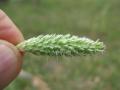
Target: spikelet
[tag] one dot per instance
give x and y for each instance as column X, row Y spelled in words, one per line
column 58, row 45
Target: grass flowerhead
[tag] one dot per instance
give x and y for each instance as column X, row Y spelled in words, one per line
column 58, row 45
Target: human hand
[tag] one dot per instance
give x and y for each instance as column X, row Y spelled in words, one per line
column 10, row 57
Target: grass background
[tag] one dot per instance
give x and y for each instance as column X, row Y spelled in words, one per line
column 91, row 18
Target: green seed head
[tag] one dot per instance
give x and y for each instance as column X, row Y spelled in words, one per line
column 58, row 45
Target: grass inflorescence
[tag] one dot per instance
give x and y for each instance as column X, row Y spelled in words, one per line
column 58, row 45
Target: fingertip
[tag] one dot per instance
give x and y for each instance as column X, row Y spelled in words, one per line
column 15, row 50
column 10, row 63
column 2, row 14
column 8, row 30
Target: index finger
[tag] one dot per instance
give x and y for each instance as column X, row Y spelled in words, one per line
column 8, row 30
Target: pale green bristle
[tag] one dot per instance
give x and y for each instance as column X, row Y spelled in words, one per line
column 58, row 45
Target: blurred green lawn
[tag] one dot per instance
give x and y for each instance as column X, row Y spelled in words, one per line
column 91, row 18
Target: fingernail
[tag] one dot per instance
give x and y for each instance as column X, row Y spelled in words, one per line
column 8, row 61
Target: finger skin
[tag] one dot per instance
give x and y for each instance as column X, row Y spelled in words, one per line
column 8, row 30
column 10, row 63
column 10, row 57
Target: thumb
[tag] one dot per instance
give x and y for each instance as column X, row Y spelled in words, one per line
column 10, row 63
